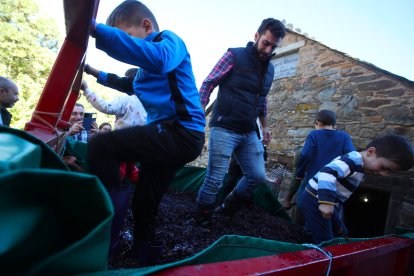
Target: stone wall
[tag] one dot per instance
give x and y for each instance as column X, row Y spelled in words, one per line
column 368, row 101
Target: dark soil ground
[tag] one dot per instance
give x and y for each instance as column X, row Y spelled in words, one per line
column 184, row 238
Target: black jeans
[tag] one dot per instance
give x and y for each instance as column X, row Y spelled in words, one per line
column 162, row 149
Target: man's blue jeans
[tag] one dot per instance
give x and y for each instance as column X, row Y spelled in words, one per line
column 248, row 151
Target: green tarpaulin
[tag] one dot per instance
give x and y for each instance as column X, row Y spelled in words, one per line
column 49, row 159
column 53, row 222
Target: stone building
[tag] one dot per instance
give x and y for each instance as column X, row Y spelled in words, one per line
column 310, row 76
column 369, row 101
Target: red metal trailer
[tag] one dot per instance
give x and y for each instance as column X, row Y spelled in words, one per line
column 382, row 256
column 50, row 118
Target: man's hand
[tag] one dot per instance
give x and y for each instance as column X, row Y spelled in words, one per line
column 76, row 128
column 94, row 128
column 266, row 136
column 326, row 210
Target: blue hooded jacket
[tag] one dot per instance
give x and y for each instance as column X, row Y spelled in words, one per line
column 164, row 97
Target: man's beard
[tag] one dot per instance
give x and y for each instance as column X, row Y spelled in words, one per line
column 264, row 57
column 9, row 105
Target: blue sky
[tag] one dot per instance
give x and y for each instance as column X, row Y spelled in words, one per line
column 378, row 32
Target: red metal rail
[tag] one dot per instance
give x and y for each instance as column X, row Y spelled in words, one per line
column 62, row 87
column 381, row 256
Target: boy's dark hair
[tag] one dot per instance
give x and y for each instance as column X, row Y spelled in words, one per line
column 395, row 148
column 131, row 12
column 274, row 26
column 326, row 117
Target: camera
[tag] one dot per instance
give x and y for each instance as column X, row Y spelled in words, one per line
column 88, row 119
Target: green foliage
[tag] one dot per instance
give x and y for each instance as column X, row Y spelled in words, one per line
column 29, row 44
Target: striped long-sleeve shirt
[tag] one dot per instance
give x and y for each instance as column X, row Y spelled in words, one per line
column 336, row 181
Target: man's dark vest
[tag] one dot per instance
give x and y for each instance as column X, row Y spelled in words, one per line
column 236, row 105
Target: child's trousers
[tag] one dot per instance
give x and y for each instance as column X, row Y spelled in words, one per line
column 321, row 229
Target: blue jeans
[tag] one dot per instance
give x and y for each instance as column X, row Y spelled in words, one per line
column 248, row 151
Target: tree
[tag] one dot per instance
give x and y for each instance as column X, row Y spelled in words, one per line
column 29, row 44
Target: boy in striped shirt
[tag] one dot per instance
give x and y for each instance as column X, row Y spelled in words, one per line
column 336, row 182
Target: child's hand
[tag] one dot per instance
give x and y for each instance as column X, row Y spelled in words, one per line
column 84, row 85
column 92, row 27
column 91, row 71
column 287, row 204
column 326, row 210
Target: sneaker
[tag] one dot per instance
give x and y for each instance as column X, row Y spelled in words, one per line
column 232, row 203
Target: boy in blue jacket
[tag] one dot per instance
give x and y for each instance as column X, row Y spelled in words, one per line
column 321, row 146
column 174, row 134
column 336, row 182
